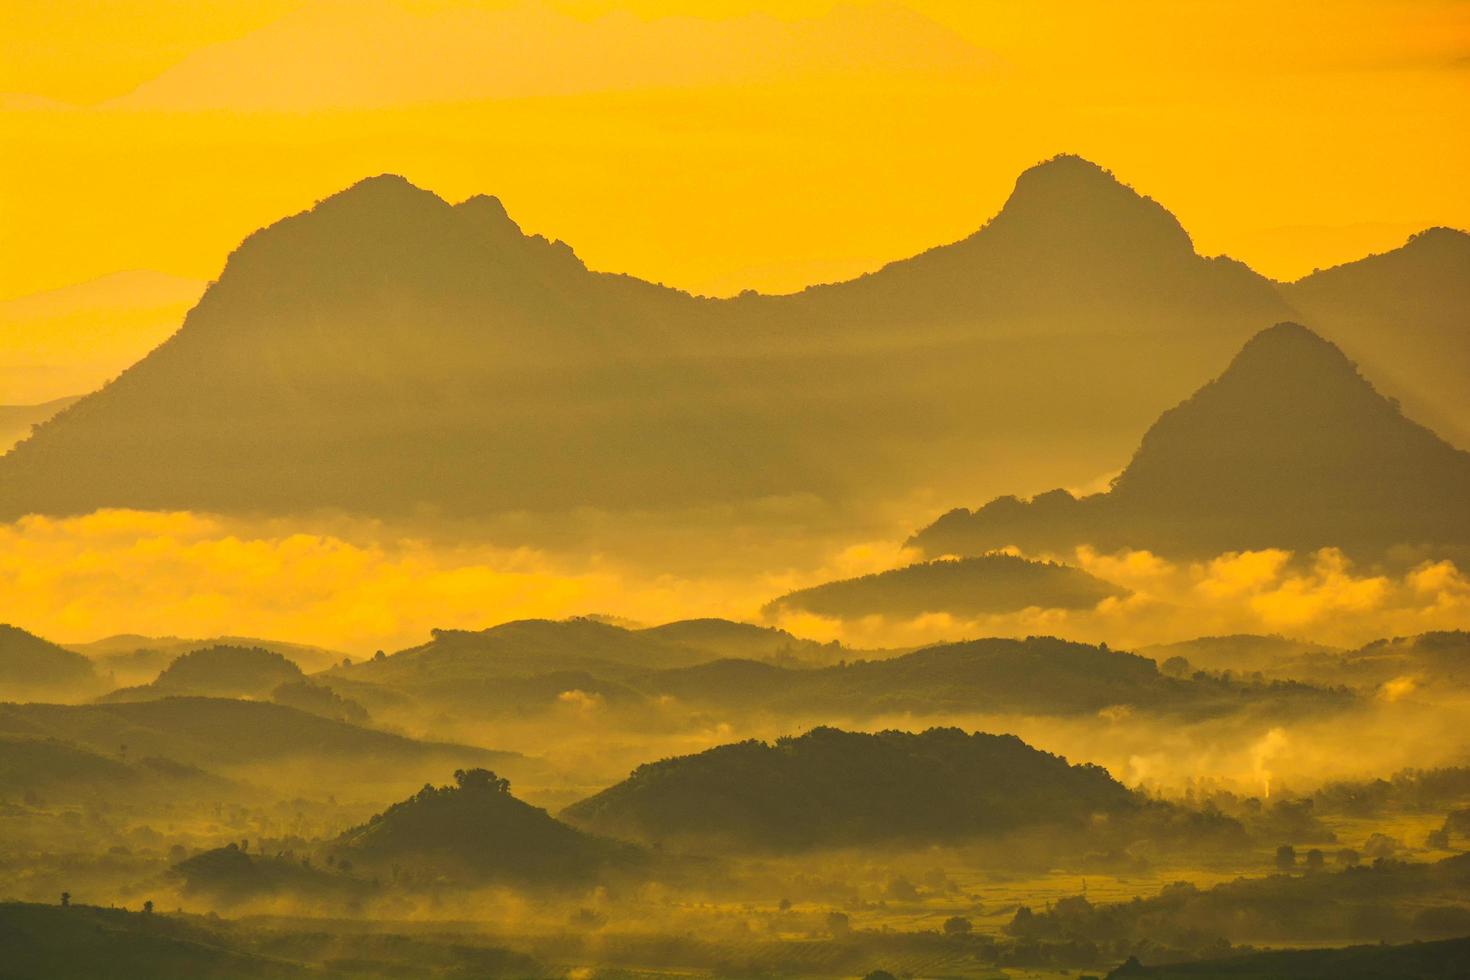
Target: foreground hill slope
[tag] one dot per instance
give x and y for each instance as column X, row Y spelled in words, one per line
column 1290, row 447
column 830, row 788
column 387, row 352
column 84, row 942
column 51, row 770
column 1442, row 960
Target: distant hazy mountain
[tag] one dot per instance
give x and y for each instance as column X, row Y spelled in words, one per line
column 217, row 672
column 831, row 788
column 75, row 338
column 476, row 829
column 1430, row 663
column 1290, row 447
column 529, row 668
column 1243, row 653
column 240, row 672
column 965, row 587
column 33, row 668
column 16, row 420
column 1405, row 315
column 1037, row 675
column 718, row 638
column 388, row 352
column 135, row 659
column 524, row 667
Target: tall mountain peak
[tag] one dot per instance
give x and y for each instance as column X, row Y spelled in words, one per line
column 1074, row 199
column 1289, row 352
column 1289, row 447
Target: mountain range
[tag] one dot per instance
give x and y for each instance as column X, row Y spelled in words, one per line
column 1291, row 447
column 387, row 352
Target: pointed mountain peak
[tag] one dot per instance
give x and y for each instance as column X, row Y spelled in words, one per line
column 1069, row 199
column 1439, row 241
column 1289, row 348
column 1068, row 169
column 380, row 191
column 486, row 212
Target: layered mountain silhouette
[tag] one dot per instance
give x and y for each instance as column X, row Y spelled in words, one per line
column 525, row 666
column 831, row 788
column 1038, row 675
column 1404, row 314
column 387, row 352
column 135, row 659
column 975, row 586
column 1291, row 447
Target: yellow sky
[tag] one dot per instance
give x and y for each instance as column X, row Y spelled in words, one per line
column 722, row 145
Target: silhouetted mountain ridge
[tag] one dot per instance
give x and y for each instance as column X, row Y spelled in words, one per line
column 389, row 353
column 1290, row 447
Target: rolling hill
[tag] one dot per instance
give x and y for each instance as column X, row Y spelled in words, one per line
column 1290, row 447
column 387, row 352
column 135, row 659
column 975, row 586
column 523, row 667
column 222, row 734
column 52, row 770
column 217, row 672
column 720, row 638
column 1037, row 675
column 830, row 788
column 476, row 828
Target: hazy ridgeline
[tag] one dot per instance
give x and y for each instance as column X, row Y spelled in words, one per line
column 1160, row 723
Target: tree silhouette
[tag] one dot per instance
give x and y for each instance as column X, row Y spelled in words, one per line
column 480, row 779
column 957, row 925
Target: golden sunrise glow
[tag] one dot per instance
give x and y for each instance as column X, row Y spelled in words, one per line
column 712, row 489
column 725, row 145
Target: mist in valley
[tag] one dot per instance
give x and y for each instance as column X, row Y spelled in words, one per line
column 1011, row 587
